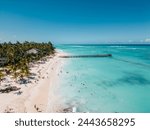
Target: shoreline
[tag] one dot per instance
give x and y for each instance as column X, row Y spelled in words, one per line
column 41, row 94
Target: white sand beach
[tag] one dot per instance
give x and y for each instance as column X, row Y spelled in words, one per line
column 40, row 95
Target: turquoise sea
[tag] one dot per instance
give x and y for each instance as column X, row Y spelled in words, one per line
column 120, row 83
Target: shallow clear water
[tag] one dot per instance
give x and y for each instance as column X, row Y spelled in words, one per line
column 117, row 84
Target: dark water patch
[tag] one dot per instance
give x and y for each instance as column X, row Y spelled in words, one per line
column 134, row 79
column 132, row 62
column 108, row 83
column 127, row 79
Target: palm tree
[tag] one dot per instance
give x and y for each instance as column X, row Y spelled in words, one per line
column 18, row 59
column 24, row 68
column 1, row 76
column 13, row 68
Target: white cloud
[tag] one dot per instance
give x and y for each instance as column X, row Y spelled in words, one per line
column 130, row 41
column 141, row 40
column 147, row 40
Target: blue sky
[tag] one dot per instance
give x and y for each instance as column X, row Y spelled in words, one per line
column 75, row 21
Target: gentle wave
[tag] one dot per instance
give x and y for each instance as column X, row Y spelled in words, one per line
column 132, row 48
column 117, row 46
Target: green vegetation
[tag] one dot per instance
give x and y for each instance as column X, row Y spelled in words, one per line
column 15, row 57
column 1, row 76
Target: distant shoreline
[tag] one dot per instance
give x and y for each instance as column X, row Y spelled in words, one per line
column 108, row 44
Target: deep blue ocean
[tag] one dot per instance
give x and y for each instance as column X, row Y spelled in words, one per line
column 120, row 83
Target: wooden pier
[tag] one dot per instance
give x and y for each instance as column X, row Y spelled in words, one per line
column 87, row 56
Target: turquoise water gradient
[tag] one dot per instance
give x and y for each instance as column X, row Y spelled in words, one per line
column 117, row 84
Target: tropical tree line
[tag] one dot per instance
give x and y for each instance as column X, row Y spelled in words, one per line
column 15, row 57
